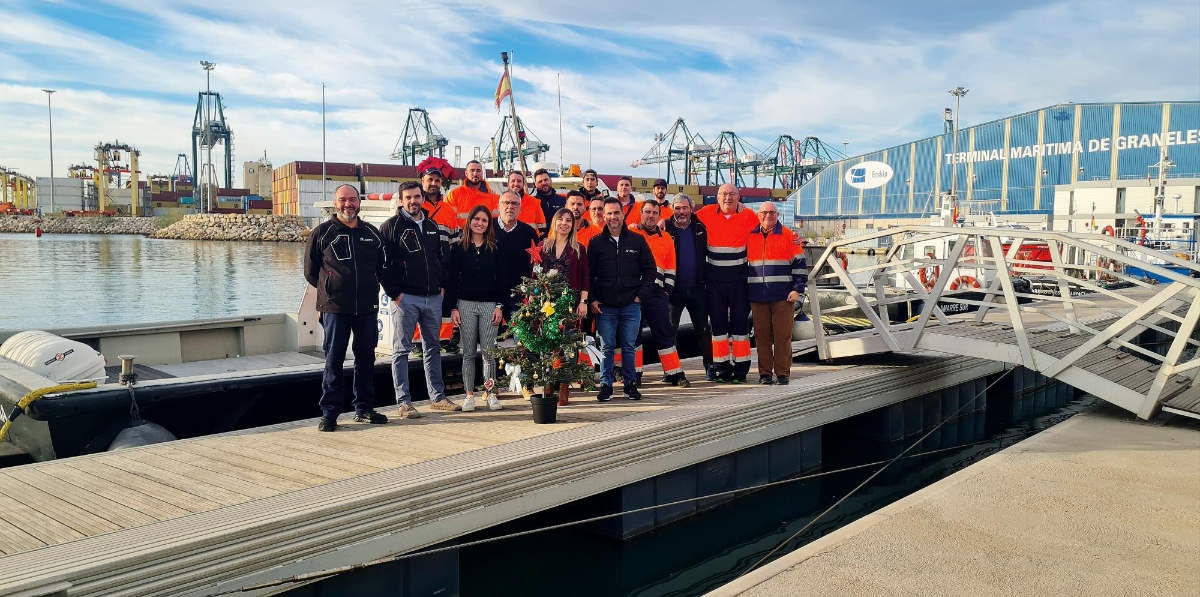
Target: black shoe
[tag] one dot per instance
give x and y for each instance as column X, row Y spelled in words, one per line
column 710, row 374
column 327, row 424
column 677, row 379
column 371, row 417
column 765, row 380
column 631, row 392
column 605, row 394
column 782, row 380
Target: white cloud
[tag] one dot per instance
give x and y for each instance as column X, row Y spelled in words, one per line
column 629, row 68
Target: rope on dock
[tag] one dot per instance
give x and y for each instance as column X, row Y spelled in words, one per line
column 311, row 576
column 33, row 396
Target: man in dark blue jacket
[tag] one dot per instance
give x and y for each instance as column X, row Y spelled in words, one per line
column 419, row 255
column 622, row 271
column 346, row 260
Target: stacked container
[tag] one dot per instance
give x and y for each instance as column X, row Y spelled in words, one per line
column 297, row 186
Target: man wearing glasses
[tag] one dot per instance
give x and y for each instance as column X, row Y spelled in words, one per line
column 778, row 275
column 728, row 224
column 513, row 239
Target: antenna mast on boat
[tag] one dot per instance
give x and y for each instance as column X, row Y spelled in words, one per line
column 512, row 106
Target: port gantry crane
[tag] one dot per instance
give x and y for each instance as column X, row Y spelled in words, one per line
column 209, row 130
column 501, row 152
column 787, row 162
column 419, row 138
column 109, row 163
column 676, row 146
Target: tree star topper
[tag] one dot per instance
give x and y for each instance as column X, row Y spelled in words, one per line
column 535, row 253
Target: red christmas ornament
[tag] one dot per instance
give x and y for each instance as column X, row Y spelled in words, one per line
column 535, row 252
column 557, row 363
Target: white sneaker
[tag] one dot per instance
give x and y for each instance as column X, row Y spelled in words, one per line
column 468, row 405
column 493, row 402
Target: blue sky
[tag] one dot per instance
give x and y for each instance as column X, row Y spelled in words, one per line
column 871, row 73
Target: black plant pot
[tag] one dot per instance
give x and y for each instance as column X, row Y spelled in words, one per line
column 545, row 408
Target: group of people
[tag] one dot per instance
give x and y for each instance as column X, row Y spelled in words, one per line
column 450, row 266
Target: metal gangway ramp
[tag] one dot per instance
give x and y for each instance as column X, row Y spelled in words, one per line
column 1072, row 306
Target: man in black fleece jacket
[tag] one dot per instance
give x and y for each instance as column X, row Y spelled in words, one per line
column 622, row 271
column 346, row 260
column 419, row 254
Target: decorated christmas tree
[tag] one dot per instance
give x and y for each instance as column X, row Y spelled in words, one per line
column 546, row 333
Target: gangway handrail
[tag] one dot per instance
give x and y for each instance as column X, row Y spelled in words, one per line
column 1084, row 271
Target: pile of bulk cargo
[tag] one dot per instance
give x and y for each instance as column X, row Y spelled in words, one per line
column 243, row 227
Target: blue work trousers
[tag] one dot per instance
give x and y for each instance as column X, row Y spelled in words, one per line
column 619, row 326
column 339, row 328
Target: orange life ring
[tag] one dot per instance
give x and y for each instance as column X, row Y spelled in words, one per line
column 963, row 281
column 841, row 257
column 928, row 277
column 1109, row 231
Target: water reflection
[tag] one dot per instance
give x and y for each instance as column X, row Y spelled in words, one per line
column 74, row 280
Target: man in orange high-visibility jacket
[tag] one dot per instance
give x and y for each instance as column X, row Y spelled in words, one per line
column 778, row 275
column 531, row 208
column 589, row 228
column 656, row 308
column 630, row 207
column 474, row 191
column 728, row 224
column 446, row 217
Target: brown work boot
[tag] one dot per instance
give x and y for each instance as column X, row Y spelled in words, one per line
column 564, row 393
column 445, row 404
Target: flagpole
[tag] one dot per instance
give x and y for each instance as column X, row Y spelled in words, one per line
column 560, row 141
column 512, row 105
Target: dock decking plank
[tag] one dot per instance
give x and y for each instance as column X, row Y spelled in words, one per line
column 116, row 512
column 81, row 520
column 190, row 473
column 142, row 484
column 92, row 483
column 14, row 540
column 34, row 522
column 206, row 462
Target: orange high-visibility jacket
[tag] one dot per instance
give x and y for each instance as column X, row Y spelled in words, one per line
column 662, row 246
column 727, row 236
column 463, row 199
column 531, row 213
column 777, row 265
column 446, row 217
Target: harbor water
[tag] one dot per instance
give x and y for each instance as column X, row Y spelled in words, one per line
column 59, row 281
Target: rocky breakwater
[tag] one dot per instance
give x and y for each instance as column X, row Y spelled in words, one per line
column 79, row 225
column 237, row 227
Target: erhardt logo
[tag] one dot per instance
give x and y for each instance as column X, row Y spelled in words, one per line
column 59, row 357
column 868, row 175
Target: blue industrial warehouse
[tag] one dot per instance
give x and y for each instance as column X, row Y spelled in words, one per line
column 1010, row 166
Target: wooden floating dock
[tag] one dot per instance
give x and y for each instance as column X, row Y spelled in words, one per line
column 199, row 516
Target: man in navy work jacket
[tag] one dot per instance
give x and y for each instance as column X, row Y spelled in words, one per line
column 346, row 261
column 419, row 255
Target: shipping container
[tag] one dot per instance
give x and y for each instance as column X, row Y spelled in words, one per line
column 331, row 169
column 260, row 204
column 388, row 171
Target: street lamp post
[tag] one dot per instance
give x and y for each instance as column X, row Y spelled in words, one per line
column 589, row 128
column 958, row 93
column 50, row 113
column 845, row 149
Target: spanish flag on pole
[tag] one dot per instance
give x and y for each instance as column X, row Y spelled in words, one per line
column 503, row 90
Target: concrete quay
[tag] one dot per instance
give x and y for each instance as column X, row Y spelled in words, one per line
column 1102, row 504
